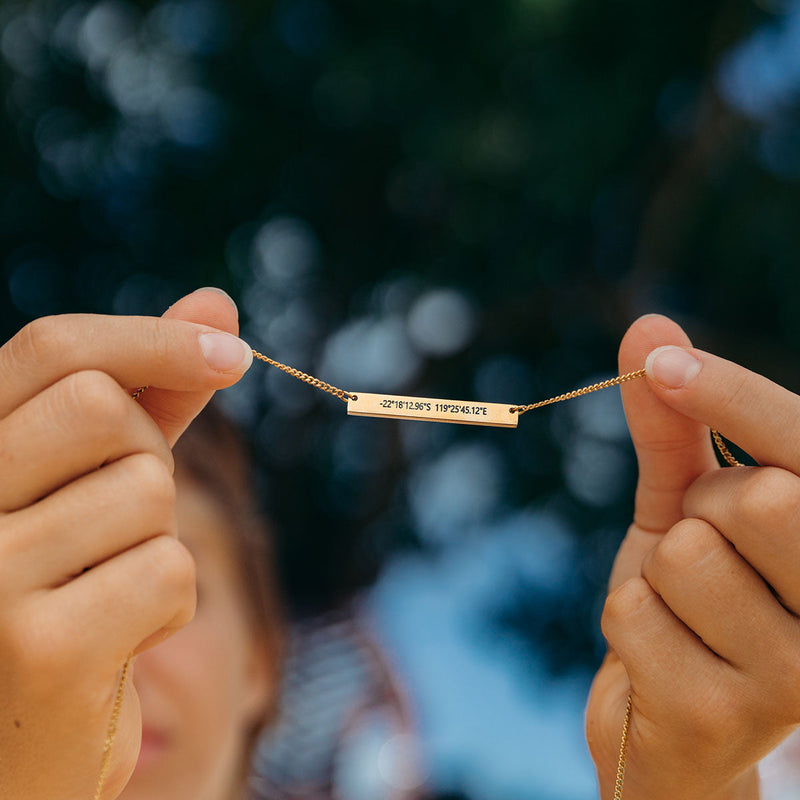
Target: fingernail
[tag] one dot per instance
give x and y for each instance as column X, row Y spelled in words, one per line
column 226, row 353
column 223, row 293
column 672, row 367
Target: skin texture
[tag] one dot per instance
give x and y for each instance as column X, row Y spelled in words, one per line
column 90, row 567
column 203, row 689
column 702, row 613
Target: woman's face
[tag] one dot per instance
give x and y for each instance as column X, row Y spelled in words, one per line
column 201, row 690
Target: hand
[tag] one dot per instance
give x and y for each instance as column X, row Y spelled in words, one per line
column 702, row 613
column 90, row 569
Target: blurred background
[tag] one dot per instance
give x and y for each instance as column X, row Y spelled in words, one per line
column 451, row 198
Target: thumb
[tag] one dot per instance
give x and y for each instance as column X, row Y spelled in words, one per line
column 672, row 450
column 174, row 410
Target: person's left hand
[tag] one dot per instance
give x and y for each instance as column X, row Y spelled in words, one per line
column 91, row 570
column 702, row 614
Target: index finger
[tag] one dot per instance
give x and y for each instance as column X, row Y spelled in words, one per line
column 760, row 416
column 168, row 354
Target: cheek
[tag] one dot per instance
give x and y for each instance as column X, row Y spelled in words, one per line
column 206, row 666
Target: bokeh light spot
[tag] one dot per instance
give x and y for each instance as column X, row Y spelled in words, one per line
column 442, row 322
column 286, row 252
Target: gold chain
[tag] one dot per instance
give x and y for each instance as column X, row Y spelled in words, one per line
column 723, row 449
column 595, row 387
column 623, row 752
column 111, row 735
column 309, row 379
column 343, row 395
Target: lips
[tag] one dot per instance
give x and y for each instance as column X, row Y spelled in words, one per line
column 153, row 744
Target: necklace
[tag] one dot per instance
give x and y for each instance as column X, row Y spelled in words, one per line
column 111, row 734
column 430, row 409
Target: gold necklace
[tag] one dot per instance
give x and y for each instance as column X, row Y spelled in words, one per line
column 431, row 409
column 111, row 734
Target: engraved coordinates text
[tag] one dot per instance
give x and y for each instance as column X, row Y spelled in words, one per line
column 442, row 408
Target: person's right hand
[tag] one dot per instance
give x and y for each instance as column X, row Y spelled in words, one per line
column 90, row 569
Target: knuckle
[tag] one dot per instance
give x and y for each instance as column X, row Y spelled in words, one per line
column 153, row 480
column 768, row 496
column 173, row 567
column 38, row 342
column 686, row 543
column 157, row 335
column 93, row 396
column 624, row 602
column 743, row 385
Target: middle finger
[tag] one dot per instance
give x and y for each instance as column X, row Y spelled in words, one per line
column 718, row 595
column 68, row 430
column 89, row 521
column 758, row 511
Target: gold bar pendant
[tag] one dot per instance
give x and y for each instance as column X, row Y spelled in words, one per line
column 430, row 409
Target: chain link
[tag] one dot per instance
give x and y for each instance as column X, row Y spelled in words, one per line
column 723, row 449
column 595, row 387
column 623, row 752
column 309, row 379
column 111, row 735
column 343, row 395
